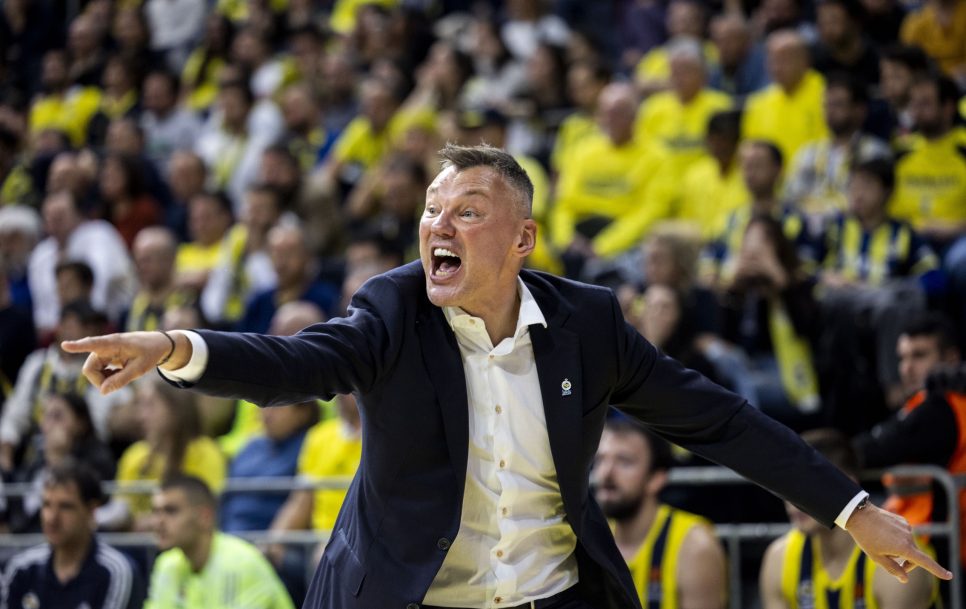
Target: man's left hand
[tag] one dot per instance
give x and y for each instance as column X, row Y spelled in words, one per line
column 887, row 539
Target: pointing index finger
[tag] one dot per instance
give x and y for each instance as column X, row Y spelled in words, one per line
column 91, row 344
column 925, row 561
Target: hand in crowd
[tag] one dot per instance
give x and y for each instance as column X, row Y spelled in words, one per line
column 117, row 359
column 887, row 539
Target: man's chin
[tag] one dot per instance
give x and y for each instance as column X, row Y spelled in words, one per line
column 442, row 295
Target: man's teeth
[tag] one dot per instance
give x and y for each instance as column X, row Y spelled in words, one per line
column 442, row 251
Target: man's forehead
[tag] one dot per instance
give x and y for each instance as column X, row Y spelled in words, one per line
column 476, row 176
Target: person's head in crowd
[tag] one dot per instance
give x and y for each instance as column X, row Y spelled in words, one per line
column 170, row 421
column 119, row 76
column 160, row 92
column 250, row 48
column 869, row 189
column 547, row 75
column 186, row 175
column 836, row 447
column 66, row 426
column 130, row 30
column 846, row 102
column 300, row 108
column 486, row 46
column 585, row 81
column 306, row 45
column 218, row 34
column 446, row 69
column 405, row 179
column 670, row 257
column 20, row 231
column 77, row 320
column 630, row 469
column 731, row 35
column 933, row 105
column 71, row 494
column 280, row 170
column 356, row 275
column 209, row 217
column 290, row 255
column 688, row 70
column 121, row 180
column 788, row 58
column 899, row 66
column 235, row 100
column 723, row 136
column 686, row 18
column 765, row 243
column 184, row 317
column 340, row 77
column 761, row 168
column 371, row 247
column 377, row 103
column 616, row 112
column 262, row 209
column 838, row 22
column 392, row 72
column 125, row 136
column 66, row 173
column 185, row 516
column 483, row 126
column 660, row 318
column 54, row 72
column 925, row 343
column 84, row 37
column 775, row 15
column 75, row 280
column 282, row 422
column 154, row 250
column 294, row 316
column 61, row 216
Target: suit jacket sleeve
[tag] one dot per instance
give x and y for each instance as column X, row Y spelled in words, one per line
column 688, row 409
column 340, row 356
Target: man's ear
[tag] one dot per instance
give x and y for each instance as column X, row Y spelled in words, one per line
column 657, row 482
column 528, row 238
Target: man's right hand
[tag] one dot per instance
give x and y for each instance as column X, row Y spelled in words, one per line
column 117, row 359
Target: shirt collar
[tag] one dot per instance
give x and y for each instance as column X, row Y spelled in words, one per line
column 529, row 314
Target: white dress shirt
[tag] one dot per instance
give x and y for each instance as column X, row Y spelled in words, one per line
column 514, row 543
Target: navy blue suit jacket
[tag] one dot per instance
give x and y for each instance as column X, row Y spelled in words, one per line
column 397, row 353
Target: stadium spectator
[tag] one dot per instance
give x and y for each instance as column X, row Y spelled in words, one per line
column 245, row 268
column 841, row 45
column 66, row 432
column 132, row 41
column 788, row 111
column 585, row 82
column 939, row 28
column 168, row 126
column 498, row 76
column 817, row 177
column 75, row 280
column 119, row 88
column 293, row 266
column 60, row 106
column 86, row 40
column 126, row 202
column 599, row 210
column 155, row 249
column 741, row 59
column 172, row 445
column 674, row 557
column 20, row 228
column 201, row 567
column 677, row 119
column 305, row 137
column 187, row 175
column 71, row 237
column 174, row 27
column 900, row 67
column 199, row 77
column 210, row 223
column 52, row 370
column 685, row 19
column 814, row 562
column 17, row 183
column 73, row 568
column 17, row 337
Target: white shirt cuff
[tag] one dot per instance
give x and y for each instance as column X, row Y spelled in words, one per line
column 192, row 371
column 848, row 509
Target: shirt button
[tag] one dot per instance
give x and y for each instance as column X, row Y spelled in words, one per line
column 492, row 356
column 472, row 322
column 499, row 409
column 499, row 554
column 502, row 463
column 498, row 599
column 443, row 543
column 504, row 511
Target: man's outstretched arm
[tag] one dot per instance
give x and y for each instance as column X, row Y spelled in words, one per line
column 117, row 359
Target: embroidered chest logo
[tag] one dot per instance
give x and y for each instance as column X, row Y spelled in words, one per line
column 565, row 387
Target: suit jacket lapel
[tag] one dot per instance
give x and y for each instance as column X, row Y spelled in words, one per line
column 444, row 363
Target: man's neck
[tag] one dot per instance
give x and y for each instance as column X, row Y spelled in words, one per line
column 631, row 532
column 836, row 549
column 157, row 294
column 843, row 139
column 764, row 204
column 795, row 86
column 872, row 221
column 69, row 559
column 198, row 554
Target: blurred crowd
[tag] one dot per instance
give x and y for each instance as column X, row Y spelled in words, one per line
column 775, row 189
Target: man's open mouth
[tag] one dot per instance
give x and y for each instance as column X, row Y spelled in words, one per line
column 445, row 262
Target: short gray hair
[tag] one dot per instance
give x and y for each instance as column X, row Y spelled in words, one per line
column 20, row 219
column 465, row 157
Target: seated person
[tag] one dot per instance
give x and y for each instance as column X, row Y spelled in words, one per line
column 72, row 568
column 201, row 567
column 813, row 563
column 674, row 557
column 172, row 445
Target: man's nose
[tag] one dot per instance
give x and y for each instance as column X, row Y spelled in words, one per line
column 442, row 224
